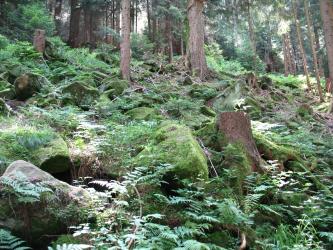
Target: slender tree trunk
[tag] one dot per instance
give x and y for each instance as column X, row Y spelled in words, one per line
column 169, row 35
column 251, row 33
column 320, row 58
column 87, row 22
column 286, row 56
column 125, row 48
column 196, row 52
column 149, row 19
column 300, row 44
column 136, row 15
column 326, row 9
column 57, row 15
column 314, row 53
column 117, row 22
column 74, row 26
column 235, row 22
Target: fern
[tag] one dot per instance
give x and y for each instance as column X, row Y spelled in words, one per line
column 9, row 241
column 70, row 247
column 25, row 191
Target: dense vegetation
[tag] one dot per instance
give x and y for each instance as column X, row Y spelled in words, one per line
column 230, row 148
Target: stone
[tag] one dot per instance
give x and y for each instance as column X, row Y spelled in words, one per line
column 188, row 81
column 174, row 144
column 55, row 208
column 115, row 87
column 54, row 157
column 27, row 85
column 81, row 94
column 142, row 113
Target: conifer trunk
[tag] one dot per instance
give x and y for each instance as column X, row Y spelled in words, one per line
column 74, row 26
column 196, row 54
column 125, row 49
column 300, row 44
column 314, row 53
column 326, row 9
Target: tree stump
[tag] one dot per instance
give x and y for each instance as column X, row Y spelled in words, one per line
column 236, row 128
column 39, row 40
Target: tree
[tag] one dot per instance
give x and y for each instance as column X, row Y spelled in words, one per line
column 74, row 24
column 300, row 44
column 196, row 53
column 313, row 48
column 326, row 10
column 125, row 49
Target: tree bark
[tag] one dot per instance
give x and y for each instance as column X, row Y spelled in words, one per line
column 74, row 26
column 326, row 9
column 314, row 53
column 251, row 33
column 148, row 19
column 39, row 40
column 57, row 15
column 196, row 52
column 125, row 49
column 300, row 44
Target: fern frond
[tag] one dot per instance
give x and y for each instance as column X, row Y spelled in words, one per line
column 11, row 242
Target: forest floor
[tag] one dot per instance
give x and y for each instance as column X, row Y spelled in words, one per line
column 127, row 139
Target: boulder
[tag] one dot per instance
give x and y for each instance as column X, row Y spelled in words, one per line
column 54, row 157
column 43, row 147
column 34, row 204
column 174, row 144
column 115, row 87
column 81, row 94
column 187, row 81
column 142, row 113
column 27, row 85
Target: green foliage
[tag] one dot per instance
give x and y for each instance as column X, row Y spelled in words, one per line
column 10, row 242
column 245, row 56
column 23, row 21
column 140, row 45
column 3, row 42
column 24, row 190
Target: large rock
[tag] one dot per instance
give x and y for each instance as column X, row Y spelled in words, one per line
column 34, row 204
column 43, row 147
column 27, row 85
column 142, row 113
column 115, row 87
column 175, row 145
column 81, row 94
column 6, row 90
column 54, row 157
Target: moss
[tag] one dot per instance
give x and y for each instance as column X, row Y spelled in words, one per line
column 209, row 135
column 81, row 94
column 66, row 239
column 142, row 113
column 202, row 92
column 207, row 111
column 174, row 144
column 273, row 151
column 115, row 87
column 42, row 147
column 235, row 158
column 222, row 239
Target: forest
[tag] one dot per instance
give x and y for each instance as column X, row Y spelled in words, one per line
column 166, row 124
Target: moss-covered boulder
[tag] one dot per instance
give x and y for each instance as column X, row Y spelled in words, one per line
column 54, row 157
column 27, row 85
column 273, row 151
column 174, row 144
column 43, row 147
column 115, row 87
column 81, row 94
column 142, row 113
column 41, row 206
column 7, row 90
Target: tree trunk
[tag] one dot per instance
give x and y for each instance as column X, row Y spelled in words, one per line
column 314, row 53
column 236, row 129
column 149, row 19
column 57, row 15
column 300, row 44
column 286, row 56
column 196, row 52
column 320, row 58
column 125, row 49
column 87, row 25
column 252, row 34
column 74, row 26
column 169, row 36
column 39, row 40
column 326, row 9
